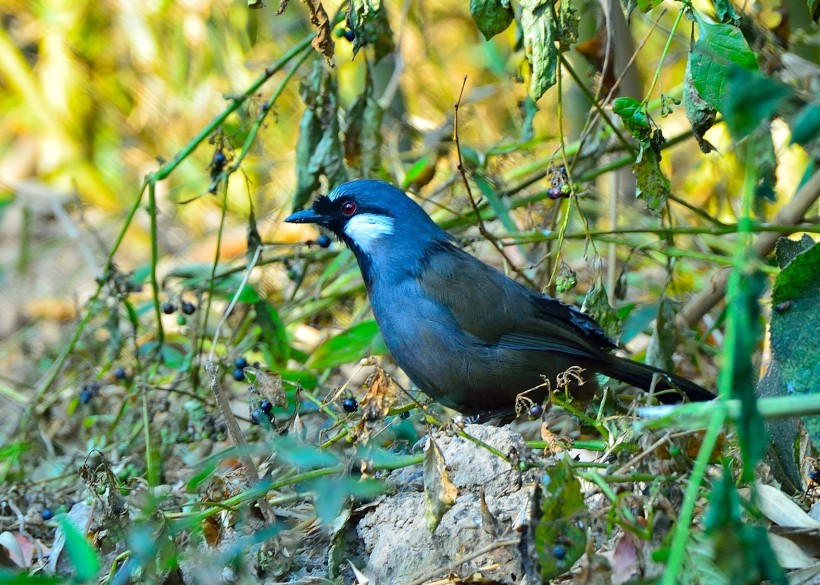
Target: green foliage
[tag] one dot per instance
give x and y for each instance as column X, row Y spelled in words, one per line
column 363, row 134
column 9, row 578
column 741, row 550
column 319, row 150
column 559, row 521
column 88, row 118
column 348, row 346
column 749, row 99
column 795, row 302
column 368, row 21
column 651, row 184
column 547, row 32
column 806, row 127
column 82, row 555
column 491, row 16
column 719, row 50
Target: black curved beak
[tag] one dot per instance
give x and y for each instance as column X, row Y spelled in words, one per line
column 307, row 216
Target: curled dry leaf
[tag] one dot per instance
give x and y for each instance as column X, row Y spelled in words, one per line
column 380, row 396
column 439, row 492
column 323, row 42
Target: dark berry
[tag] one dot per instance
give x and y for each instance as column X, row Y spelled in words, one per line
column 554, row 193
column 350, row 405
column 258, row 416
column 349, row 35
column 266, row 406
column 323, row 241
column 239, row 374
column 168, row 308
column 86, row 394
column 181, row 320
column 120, row 373
column 188, row 308
column 240, row 362
column 405, row 415
column 559, row 551
column 219, row 159
column 46, row 514
column 814, row 475
column 536, row 410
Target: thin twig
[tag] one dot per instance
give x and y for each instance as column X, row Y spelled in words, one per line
column 791, row 213
column 238, row 438
column 479, row 221
column 452, row 566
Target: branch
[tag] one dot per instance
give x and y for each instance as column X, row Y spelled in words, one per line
column 792, row 213
column 479, row 221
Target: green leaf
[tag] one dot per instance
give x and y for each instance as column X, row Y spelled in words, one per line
column 368, row 21
column 806, row 127
column 302, row 456
column 720, row 48
column 349, row 346
column 765, row 161
column 542, row 35
column 596, row 305
column 647, row 5
column 634, row 116
column 331, row 493
column 651, row 184
column 726, row 12
column 700, row 115
column 363, row 134
column 491, row 16
column 529, row 109
column 560, row 520
column 795, row 315
column 742, row 552
column 664, row 335
column 750, row 99
column 227, row 287
column 9, row 578
column 420, row 172
column 497, row 205
column 318, row 149
column 814, row 9
column 82, row 555
column 274, row 335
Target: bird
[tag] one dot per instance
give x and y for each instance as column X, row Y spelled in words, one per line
column 466, row 334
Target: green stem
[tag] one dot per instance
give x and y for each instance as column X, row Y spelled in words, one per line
column 665, row 52
column 582, row 86
column 681, row 534
column 236, row 101
column 152, row 213
column 697, row 415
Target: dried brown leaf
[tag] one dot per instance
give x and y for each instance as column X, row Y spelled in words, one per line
column 439, row 492
column 323, row 42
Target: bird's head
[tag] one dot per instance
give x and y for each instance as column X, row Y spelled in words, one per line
column 373, row 218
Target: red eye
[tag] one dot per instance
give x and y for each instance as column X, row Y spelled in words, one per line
column 348, row 208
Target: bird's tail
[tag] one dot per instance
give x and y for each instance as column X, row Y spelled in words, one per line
column 669, row 386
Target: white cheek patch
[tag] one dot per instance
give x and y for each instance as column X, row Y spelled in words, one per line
column 365, row 229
